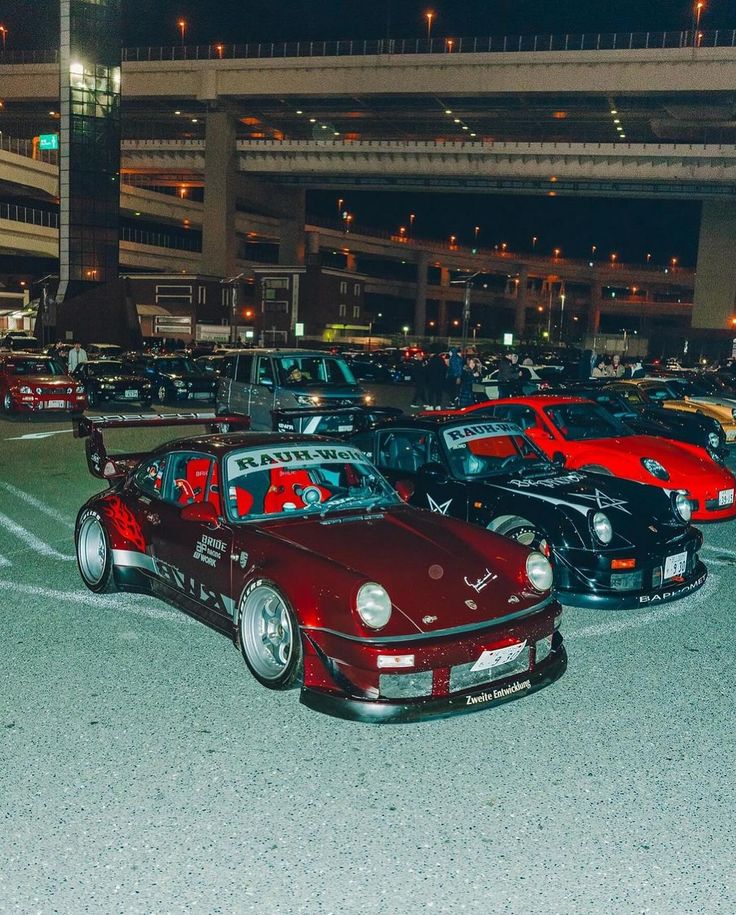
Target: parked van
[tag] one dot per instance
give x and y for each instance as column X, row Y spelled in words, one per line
column 257, row 381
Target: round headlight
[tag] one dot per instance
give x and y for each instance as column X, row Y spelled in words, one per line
column 373, row 605
column 24, row 389
column 683, row 506
column 713, row 440
column 179, row 384
column 539, row 571
column 602, row 527
column 655, row 468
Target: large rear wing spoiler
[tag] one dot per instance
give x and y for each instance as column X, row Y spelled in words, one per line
column 105, row 467
column 330, row 421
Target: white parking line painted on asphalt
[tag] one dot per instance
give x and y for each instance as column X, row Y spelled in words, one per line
column 667, row 611
column 3, row 561
column 30, row 540
column 37, row 504
column 35, row 435
column 98, row 601
column 719, row 549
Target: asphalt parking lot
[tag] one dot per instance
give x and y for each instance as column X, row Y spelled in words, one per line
column 144, row 770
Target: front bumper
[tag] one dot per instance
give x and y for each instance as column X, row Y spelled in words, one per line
column 628, row 600
column 181, row 395
column 379, row 712
column 66, row 403
column 342, row 676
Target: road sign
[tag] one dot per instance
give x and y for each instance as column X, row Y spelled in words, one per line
column 48, row 141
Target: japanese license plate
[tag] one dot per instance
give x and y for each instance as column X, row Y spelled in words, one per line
column 499, row 656
column 725, row 497
column 201, row 395
column 55, row 404
column 131, row 394
column 675, row 565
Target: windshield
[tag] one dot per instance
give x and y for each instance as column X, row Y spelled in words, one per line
column 99, row 369
column 176, row 365
column 578, row 421
column 303, row 370
column 487, row 449
column 662, row 392
column 300, row 479
column 35, row 367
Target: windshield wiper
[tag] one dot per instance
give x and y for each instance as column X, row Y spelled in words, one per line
column 357, row 502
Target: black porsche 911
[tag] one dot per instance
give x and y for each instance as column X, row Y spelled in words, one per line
column 107, row 380
column 613, row 543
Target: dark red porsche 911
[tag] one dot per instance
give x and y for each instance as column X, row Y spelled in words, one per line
column 298, row 549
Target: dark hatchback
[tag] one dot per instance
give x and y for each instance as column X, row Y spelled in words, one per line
column 174, row 378
column 613, row 543
column 108, row 381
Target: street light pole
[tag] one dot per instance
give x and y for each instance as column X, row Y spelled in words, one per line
column 468, row 281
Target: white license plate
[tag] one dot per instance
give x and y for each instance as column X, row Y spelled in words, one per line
column 725, row 497
column 675, row 565
column 131, row 394
column 500, row 656
column 201, row 395
column 55, row 404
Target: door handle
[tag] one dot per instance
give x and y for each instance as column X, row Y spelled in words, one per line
column 152, row 517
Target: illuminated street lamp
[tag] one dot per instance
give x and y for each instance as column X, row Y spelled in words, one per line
column 649, row 258
column 453, row 240
column 412, row 217
column 219, row 48
column 4, row 32
column 697, row 12
column 556, row 253
column 504, row 246
column 182, row 23
column 613, row 259
column 405, row 329
column 476, row 232
column 534, row 243
column 429, row 16
column 449, row 42
column 673, row 261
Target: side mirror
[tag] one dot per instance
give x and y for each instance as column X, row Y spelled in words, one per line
column 405, row 489
column 204, row 512
column 434, row 472
column 559, row 458
column 538, row 435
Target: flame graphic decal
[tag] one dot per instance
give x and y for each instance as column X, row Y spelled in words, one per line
column 124, row 522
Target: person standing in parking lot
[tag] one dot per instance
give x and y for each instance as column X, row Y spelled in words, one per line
column 77, row 355
column 418, row 376
column 434, row 378
column 509, row 376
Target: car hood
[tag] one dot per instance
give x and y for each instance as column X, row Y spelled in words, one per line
column 629, row 504
column 450, row 574
column 56, row 381
column 187, row 376
column 676, row 458
column 120, row 379
column 713, row 400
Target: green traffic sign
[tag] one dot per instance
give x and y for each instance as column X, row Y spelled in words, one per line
column 48, row 141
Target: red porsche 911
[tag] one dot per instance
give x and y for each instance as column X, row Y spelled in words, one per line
column 297, row 549
column 587, row 437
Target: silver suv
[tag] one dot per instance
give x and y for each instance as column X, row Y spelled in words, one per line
column 257, row 381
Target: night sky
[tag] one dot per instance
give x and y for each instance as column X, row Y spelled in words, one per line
column 631, row 228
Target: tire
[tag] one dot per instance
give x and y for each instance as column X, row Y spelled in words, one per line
column 7, row 403
column 94, row 554
column 526, row 533
column 596, row 468
column 161, row 393
column 269, row 637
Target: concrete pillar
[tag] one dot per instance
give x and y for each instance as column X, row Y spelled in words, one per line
column 291, row 229
column 521, row 300
column 594, row 313
column 420, row 302
column 312, row 242
column 219, row 246
column 442, row 310
column 715, row 280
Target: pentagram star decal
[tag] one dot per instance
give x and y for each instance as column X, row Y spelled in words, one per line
column 437, row 506
column 604, row 501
